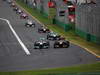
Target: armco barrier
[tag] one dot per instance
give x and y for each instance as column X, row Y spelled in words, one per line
column 87, row 36
column 63, row 25
column 44, row 14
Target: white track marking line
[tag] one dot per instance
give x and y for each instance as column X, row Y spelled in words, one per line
column 17, row 37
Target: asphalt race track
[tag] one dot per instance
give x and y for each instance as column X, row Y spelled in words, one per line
column 14, row 58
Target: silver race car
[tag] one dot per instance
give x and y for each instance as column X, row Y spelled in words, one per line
column 41, row 44
column 30, row 23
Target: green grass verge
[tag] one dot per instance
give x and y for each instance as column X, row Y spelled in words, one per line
column 80, row 70
column 70, row 35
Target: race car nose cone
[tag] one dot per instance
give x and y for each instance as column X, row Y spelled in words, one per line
column 40, row 43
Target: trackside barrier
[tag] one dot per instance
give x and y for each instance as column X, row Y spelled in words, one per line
column 87, row 36
column 66, row 27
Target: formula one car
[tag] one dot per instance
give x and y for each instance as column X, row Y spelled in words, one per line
column 61, row 44
column 54, row 36
column 19, row 11
column 43, row 30
column 16, row 9
column 41, row 44
column 13, row 5
column 24, row 16
column 30, row 23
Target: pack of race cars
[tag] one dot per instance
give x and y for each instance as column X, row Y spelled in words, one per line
column 42, row 43
column 45, row 44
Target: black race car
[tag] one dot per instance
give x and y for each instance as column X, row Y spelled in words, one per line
column 19, row 11
column 24, row 16
column 30, row 23
column 16, row 9
column 54, row 36
column 42, row 44
column 61, row 44
column 43, row 30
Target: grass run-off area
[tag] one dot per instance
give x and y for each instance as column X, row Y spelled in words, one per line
column 69, row 35
column 89, row 69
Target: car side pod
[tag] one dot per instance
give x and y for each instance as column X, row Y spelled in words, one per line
column 33, row 25
column 19, row 12
column 67, row 44
column 49, row 37
column 26, row 25
column 39, row 30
